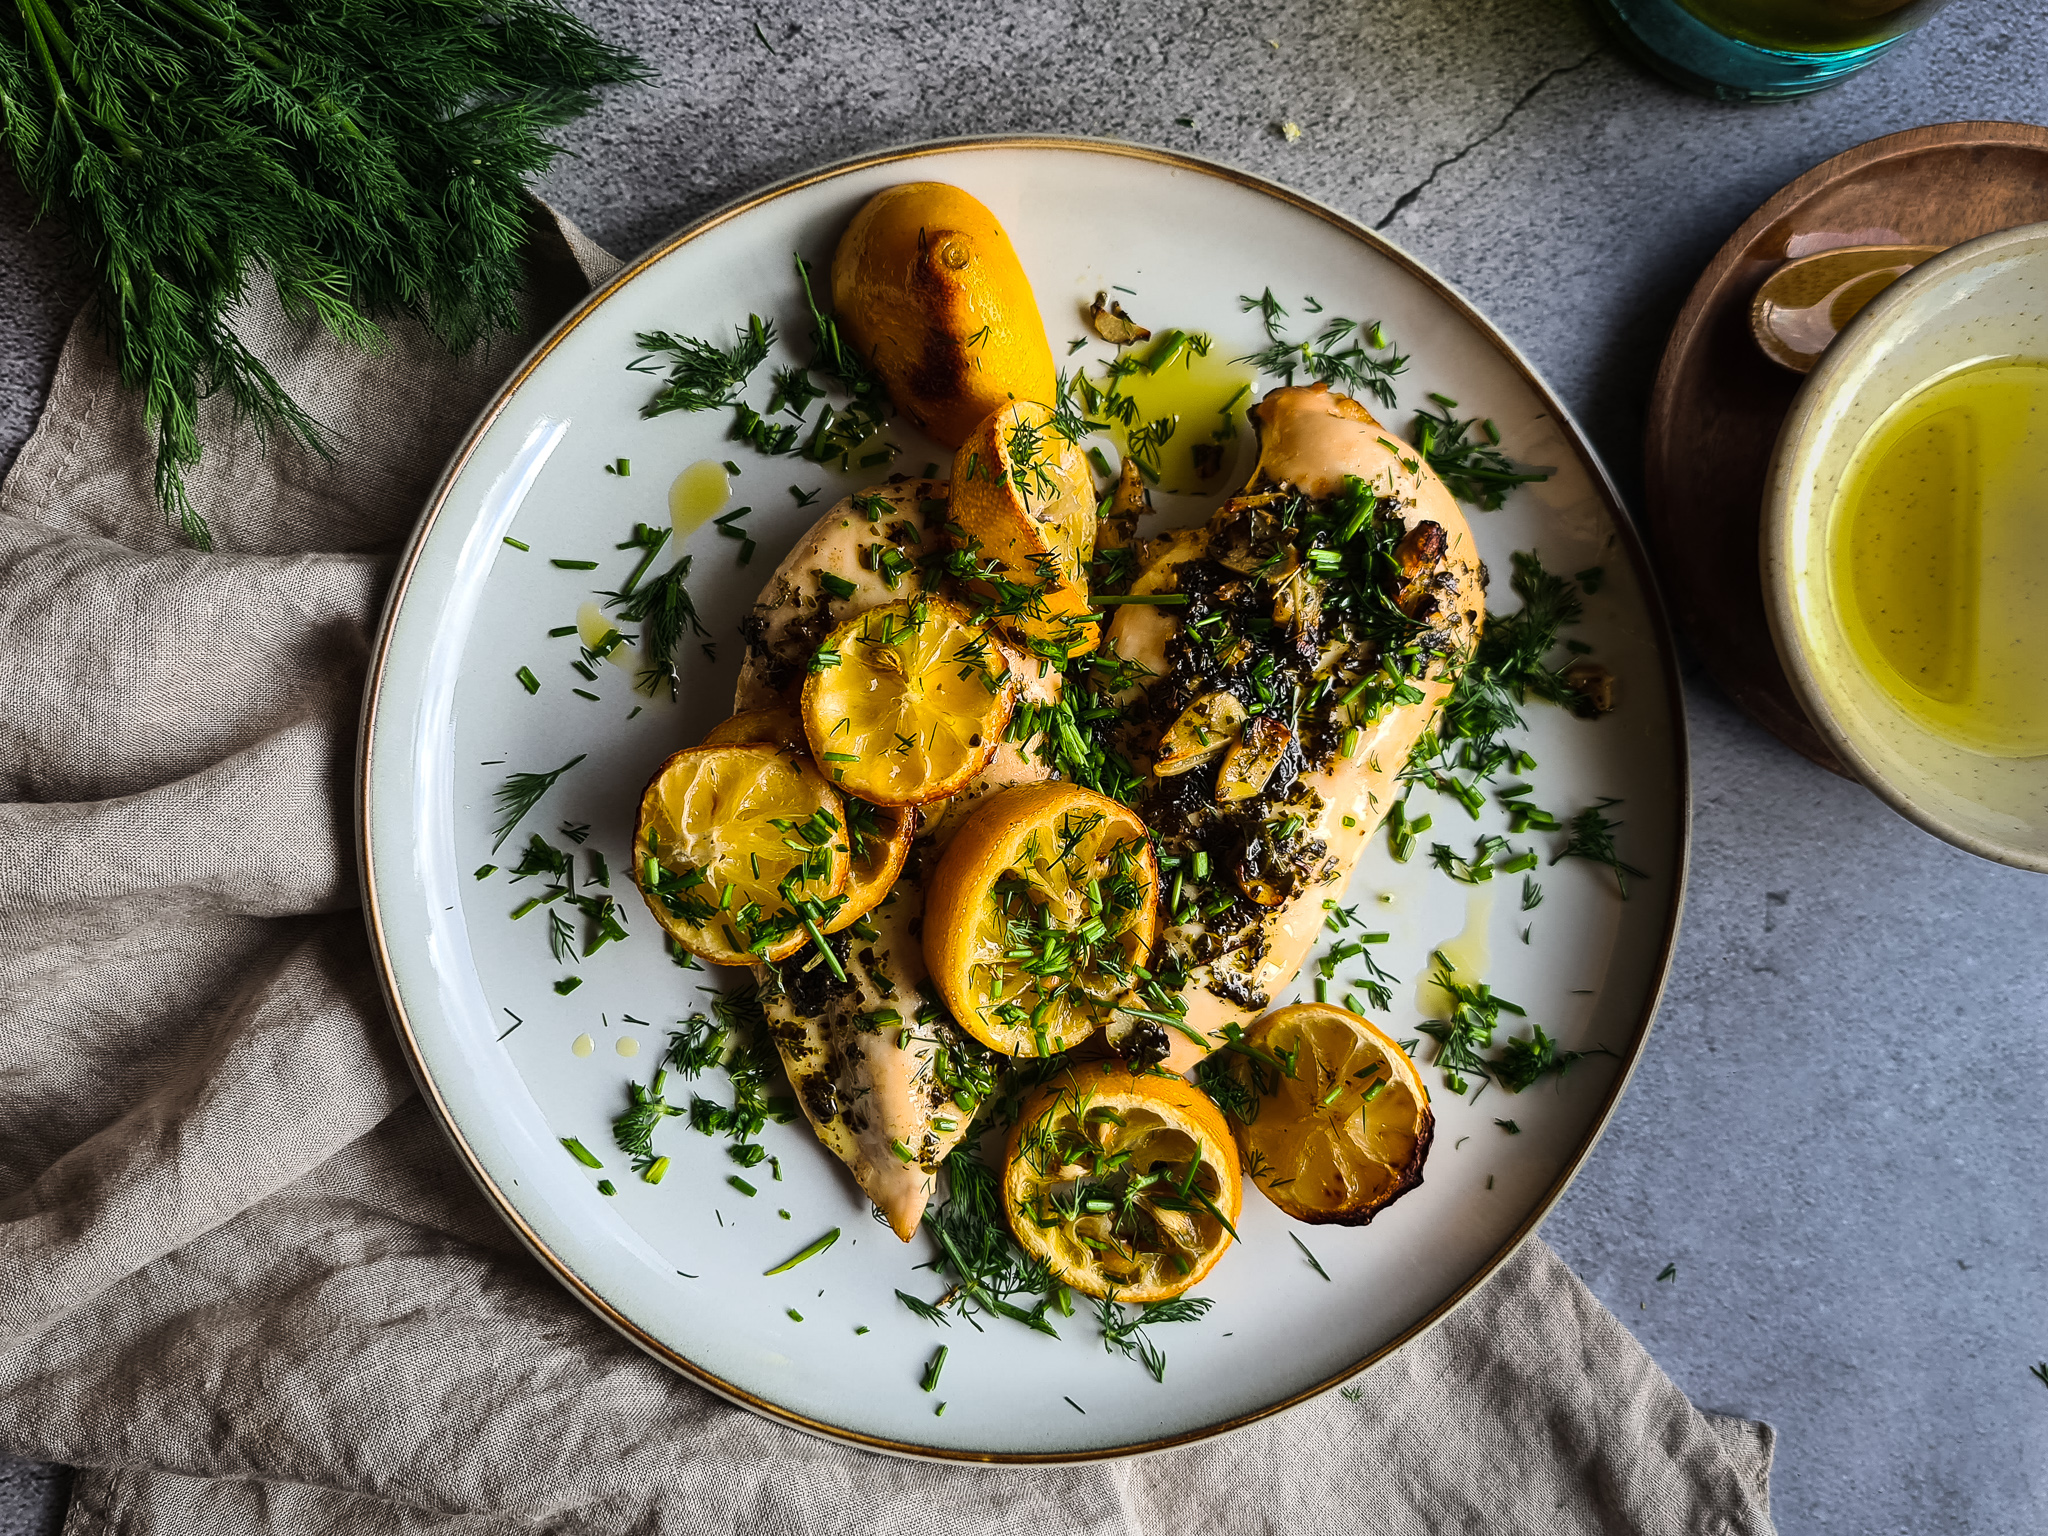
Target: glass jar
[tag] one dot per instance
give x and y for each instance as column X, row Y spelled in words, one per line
column 1761, row 50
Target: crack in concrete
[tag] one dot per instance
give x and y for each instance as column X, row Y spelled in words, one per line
column 1406, row 199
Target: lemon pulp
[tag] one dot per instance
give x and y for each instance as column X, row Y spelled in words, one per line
column 1938, row 556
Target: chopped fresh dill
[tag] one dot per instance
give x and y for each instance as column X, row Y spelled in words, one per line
column 701, row 374
column 519, row 794
column 1592, row 838
column 1123, row 1328
column 1340, row 354
column 1475, row 472
column 662, row 608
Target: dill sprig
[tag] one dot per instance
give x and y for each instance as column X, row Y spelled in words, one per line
column 736, row 1037
column 366, row 160
column 1508, row 667
column 1521, row 1063
column 1475, row 1013
column 519, row 794
column 1340, row 354
column 1471, row 471
column 1592, row 837
column 1123, row 1330
column 662, row 608
column 984, row 1266
column 702, row 375
column 646, row 1108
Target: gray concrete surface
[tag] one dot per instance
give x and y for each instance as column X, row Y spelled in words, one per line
column 1838, row 1133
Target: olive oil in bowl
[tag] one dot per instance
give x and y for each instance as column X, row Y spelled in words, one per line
column 1937, row 556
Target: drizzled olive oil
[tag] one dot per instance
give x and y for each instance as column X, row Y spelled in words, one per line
column 698, row 494
column 1203, row 396
column 1938, row 556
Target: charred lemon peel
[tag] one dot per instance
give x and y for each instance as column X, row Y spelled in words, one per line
column 929, row 290
column 907, row 701
column 1122, row 1185
column 1024, row 508
column 1041, row 915
column 1329, row 1114
column 741, row 852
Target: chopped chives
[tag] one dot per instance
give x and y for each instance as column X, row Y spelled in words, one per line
column 731, row 468
column 741, row 1185
column 656, row 1171
column 560, row 630
column 1311, row 1258
column 580, row 1152
column 574, row 565
column 515, row 543
column 584, row 693
column 525, row 907
column 527, row 680
column 809, row 1253
column 794, row 1315
column 931, row 1371
column 1153, row 599
column 486, row 871
column 567, row 985
column 607, row 1187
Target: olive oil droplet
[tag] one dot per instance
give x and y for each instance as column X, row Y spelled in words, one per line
column 698, row 495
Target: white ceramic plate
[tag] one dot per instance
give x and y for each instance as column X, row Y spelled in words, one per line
column 679, row 1267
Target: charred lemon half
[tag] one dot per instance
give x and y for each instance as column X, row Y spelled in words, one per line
column 1125, row 1184
column 1331, row 1116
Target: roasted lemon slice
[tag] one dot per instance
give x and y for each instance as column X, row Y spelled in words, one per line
column 1122, row 1183
column 1038, row 915
column 907, row 702
column 1025, row 501
column 778, row 726
column 1330, row 1114
column 878, row 837
column 741, row 852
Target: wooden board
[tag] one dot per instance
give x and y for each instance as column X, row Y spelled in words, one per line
column 1718, row 402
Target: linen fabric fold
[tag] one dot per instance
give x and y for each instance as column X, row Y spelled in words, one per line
column 245, row 1286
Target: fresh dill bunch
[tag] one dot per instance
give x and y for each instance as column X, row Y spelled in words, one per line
column 365, row 158
column 1475, row 1014
column 1514, row 646
column 646, row 1108
column 984, row 1268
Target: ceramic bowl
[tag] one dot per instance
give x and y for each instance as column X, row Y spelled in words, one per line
column 1984, row 299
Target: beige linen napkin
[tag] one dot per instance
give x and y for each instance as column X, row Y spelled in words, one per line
column 244, row 1285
